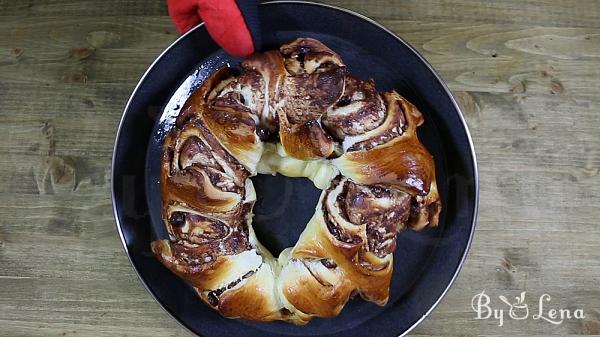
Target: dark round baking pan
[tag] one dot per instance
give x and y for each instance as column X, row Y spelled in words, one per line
column 425, row 263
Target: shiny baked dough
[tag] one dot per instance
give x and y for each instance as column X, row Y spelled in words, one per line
column 392, row 154
column 297, row 112
column 332, row 261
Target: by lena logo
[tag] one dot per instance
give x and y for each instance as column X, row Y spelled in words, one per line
column 519, row 309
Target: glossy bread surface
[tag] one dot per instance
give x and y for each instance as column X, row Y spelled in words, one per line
column 380, row 181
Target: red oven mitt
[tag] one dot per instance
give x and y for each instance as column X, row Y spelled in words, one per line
column 233, row 24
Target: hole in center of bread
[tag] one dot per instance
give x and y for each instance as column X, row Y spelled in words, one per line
column 282, row 209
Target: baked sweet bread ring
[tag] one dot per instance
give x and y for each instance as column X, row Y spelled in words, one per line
column 295, row 111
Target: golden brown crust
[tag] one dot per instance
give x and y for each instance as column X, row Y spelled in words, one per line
column 310, row 292
column 305, row 141
column 191, row 186
column 404, row 163
column 272, row 70
column 235, row 129
column 315, row 288
column 400, row 159
column 303, row 94
column 199, row 97
column 253, row 299
column 393, row 155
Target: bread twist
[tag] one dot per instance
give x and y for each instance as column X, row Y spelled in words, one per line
column 297, row 112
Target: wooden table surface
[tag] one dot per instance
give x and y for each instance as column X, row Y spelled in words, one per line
column 526, row 74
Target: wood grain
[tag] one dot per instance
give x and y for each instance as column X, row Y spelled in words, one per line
column 568, row 13
column 526, row 74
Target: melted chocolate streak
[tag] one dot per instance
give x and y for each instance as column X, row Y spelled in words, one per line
column 334, row 229
column 213, row 296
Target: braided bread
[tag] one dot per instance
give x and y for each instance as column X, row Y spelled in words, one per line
column 297, row 112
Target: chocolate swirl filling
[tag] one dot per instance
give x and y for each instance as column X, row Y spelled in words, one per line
column 331, row 212
column 381, row 211
column 309, row 56
column 359, row 109
column 213, row 296
column 197, row 229
column 394, row 126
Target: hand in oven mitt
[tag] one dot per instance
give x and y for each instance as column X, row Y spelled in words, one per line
column 233, row 24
